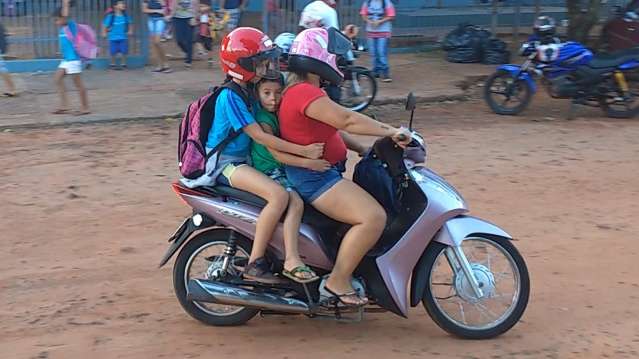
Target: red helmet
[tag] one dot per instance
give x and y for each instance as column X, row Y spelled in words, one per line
column 243, row 50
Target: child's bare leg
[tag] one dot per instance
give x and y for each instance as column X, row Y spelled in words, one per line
column 84, row 97
column 113, row 60
column 11, row 87
column 291, row 235
column 58, row 78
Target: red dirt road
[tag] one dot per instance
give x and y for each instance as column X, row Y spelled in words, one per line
column 86, row 212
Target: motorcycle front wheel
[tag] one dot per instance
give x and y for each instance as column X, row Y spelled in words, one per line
column 506, row 95
column 358, row 92
column 202, row 258
column 502, row 276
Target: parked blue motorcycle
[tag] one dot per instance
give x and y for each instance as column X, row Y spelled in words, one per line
column 568, row 71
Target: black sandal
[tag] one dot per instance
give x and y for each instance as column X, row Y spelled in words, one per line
column 260, row 271
column 339, row 297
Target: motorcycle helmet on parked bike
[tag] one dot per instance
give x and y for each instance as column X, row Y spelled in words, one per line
column 544, row 26
column 314, row 51
column 246, row 51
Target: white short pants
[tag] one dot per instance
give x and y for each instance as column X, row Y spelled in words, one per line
column 71, row 67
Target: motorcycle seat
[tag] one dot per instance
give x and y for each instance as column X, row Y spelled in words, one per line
column 234, row 193
column 606, row 61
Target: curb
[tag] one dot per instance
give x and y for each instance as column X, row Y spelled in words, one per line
column 461, row 96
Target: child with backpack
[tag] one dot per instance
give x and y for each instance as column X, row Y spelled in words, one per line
column 71, row 64
column 117, row 24
column 269, row 161
column 223, row 124
column 378, row 15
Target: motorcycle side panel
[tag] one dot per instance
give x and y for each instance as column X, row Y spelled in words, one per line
column 396, row 265
column 515, row 70
column 453, row 233
column 243, row 217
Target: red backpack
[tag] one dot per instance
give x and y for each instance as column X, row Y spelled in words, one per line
column 194, row 131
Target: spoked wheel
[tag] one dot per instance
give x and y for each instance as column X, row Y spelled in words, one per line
column 505, row 94
column 501, row 275
column 202, row 258
column 359, row 92
column 616, row 104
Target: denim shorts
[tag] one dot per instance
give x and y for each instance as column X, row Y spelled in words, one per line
column 312, row 184
column 224, row 177
column 156, row 26
column 119, row 47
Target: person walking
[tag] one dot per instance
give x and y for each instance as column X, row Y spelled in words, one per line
column 184, row 21
column 4, row 72
column 378, row 15
column 156, row 10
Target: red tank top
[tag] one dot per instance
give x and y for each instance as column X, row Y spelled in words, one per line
column 298, row 128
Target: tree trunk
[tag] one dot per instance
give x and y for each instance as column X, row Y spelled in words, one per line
column 582, row 16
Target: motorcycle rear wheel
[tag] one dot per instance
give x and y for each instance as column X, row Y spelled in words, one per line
column 521, row 92
column 457, row 293
column 625, row 109
column 208, row 313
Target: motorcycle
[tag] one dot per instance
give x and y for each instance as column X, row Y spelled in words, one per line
column 465, row 271
column 567, row 71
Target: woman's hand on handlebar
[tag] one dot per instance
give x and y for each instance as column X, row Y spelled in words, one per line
column 313, row 151
column 402, row 137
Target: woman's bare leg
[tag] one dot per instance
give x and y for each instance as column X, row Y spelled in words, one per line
column 251, row 180
column 11, row 87
column 347, row 202
column 58, row 78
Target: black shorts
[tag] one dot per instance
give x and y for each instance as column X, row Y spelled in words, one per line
column 207, row 42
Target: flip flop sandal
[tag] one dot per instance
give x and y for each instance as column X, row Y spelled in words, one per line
column 326, row 293
column 9, row 94
column 158, row 69
column 292, row 274
column 167, row 70
column 81, row 113
column 60, row 111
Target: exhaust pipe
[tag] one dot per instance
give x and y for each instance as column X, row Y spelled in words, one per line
column 200, row 290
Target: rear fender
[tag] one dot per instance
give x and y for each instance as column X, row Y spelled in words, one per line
column 189, row 226
column 515, row 71
column 452, row 233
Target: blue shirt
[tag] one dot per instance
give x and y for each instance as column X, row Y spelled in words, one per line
column 66, row 46
column 118, row 28
column 232, row 4
column 231, row 112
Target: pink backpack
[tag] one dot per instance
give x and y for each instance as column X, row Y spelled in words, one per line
column 84, row 41
column 194, row 131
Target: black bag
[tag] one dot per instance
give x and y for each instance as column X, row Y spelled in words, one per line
column 495, row 52
column 465, row 43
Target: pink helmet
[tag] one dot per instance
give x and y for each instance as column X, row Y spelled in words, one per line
column 310, row 53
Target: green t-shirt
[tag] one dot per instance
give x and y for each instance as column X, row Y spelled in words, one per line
column 262, row 158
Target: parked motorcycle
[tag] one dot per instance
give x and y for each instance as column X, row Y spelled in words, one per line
column 467, row 273
column 567, row 71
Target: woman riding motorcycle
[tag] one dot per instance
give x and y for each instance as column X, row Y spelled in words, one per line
column 307, row 116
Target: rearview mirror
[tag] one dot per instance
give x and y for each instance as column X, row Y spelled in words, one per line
column 411, row 102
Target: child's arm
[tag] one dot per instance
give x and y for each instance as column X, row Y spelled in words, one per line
column 255, row 132
column 104, row 25
column 292, row 160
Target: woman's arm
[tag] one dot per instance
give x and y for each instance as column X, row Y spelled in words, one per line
column 255, row 132
column 325, row 110
column 292, row 160
column 352, row 144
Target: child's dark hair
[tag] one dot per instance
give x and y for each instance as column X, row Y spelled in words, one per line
column 57, row 12
column 271, row 76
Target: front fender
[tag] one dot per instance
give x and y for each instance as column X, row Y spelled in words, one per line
column 515, row 70
column 452, row 233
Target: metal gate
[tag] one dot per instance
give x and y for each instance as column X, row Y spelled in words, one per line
column 33, row 34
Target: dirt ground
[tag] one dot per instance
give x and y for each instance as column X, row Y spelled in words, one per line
column 85, row 213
